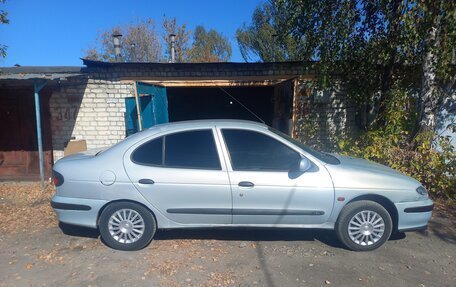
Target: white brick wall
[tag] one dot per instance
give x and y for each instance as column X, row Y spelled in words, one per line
column 91, row 110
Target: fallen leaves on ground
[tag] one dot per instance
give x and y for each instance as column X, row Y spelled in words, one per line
column 52, row 257
column 190, row 262
column 24, row 207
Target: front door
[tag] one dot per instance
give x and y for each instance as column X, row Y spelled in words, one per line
column 182, row 175
column 264, row 189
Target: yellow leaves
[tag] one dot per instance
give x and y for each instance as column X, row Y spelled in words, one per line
column 25, row 208
column 52, row 257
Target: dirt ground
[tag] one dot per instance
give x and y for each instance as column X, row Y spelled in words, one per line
column 35, row 251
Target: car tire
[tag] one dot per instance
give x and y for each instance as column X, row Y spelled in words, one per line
column 127, row 226
column 364, row 225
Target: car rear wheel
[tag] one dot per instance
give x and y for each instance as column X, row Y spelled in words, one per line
column 127, row 226
column 364, row 225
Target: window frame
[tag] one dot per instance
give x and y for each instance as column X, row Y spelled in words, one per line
column 164, row 135
column 272, row 136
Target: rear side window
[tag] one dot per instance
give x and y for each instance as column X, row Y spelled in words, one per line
column 149, row 153
column 251, row 150
column 192, row 149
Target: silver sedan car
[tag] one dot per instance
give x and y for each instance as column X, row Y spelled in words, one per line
column 230, row 173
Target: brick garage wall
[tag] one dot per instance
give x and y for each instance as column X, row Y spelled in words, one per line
column 322, row 116
column 88, row 109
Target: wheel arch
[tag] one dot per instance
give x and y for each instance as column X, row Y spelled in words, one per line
column 383, row 201
column 124, row 200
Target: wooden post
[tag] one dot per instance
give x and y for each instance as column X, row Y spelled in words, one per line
column 138, row 107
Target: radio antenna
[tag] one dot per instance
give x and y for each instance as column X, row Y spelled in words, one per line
column 237, row 101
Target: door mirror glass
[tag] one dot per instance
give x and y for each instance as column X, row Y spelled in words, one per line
column 303, row 165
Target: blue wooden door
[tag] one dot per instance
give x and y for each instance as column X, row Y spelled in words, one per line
column 153, row 104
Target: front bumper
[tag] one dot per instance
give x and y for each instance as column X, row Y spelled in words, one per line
column 77, row 211
column 414, row 215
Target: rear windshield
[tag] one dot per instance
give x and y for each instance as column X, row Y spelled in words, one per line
column 324, row 157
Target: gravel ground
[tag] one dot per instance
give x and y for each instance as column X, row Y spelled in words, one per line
column 35, row 251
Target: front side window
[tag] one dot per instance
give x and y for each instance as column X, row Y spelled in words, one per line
column 251, row 150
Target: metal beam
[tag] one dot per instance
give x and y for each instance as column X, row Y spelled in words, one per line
column 38, row 85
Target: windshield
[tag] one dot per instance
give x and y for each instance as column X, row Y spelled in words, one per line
column 325, row 157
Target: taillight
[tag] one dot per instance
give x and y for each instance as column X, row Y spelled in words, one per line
column 57, row 178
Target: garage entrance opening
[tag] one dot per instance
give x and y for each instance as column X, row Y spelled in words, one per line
column 18, row 143
column 214, row 103
column 273, row 104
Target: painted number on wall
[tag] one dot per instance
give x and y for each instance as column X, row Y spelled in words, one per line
column 65, row 114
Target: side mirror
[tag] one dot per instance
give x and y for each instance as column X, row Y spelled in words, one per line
column 303, row 165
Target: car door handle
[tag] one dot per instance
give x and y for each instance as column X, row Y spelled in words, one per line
column 246, row 184
column 146, row 181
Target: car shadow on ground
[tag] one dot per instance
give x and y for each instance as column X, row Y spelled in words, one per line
column 443, row 229
column 327, row 237
column 78, row 231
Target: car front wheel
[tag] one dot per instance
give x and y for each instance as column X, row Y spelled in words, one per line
column 127, row 226
column 364, row 225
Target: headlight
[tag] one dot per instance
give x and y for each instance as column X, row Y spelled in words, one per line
column 421, row 190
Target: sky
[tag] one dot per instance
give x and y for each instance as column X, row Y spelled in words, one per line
column 56, row 32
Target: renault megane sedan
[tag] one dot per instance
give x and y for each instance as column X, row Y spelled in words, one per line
column 231, row 173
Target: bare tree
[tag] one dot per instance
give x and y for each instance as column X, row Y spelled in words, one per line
column 139, row 43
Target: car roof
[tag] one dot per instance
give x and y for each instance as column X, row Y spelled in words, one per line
column 209, row 123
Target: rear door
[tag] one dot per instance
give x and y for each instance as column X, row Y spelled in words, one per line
column 183, row 176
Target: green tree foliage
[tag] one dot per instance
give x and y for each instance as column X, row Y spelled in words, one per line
column 264, row 39
column 181, row 45
column 3, row 20
column 209, row 46
column 395, row 58
column 429, row 158
column 374, row 46
column 139, row 43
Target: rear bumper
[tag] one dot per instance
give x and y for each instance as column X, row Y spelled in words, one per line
column 77, row 211
column 414, row 215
